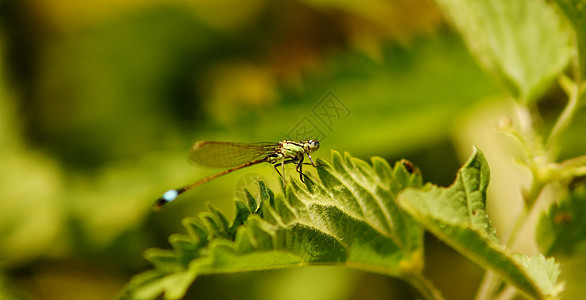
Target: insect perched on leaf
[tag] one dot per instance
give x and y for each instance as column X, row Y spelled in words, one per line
column 236, row 156
column 409, row 166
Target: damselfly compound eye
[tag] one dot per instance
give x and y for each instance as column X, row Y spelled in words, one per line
column 314, row 144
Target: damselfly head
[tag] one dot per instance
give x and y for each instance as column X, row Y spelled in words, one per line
column 312, row 145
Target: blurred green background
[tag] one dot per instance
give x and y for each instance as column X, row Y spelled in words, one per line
column 100, row 102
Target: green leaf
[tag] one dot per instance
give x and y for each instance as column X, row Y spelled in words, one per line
column 457, row 215
column 562, row 230
column 522, row 43
column 575, row 12
column 349, row 217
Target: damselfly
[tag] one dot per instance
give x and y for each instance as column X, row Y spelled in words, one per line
column 236, row 156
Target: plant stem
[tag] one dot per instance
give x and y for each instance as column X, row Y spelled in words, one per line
column 508, row 293
column 424, row 286
column 574, row 92
column 574, row 162
column 490, row 281
column 487, row 286
column 519, row 223
column 579, row 171
column 530, row 198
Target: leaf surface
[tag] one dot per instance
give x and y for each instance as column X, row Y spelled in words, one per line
column 522, row 43
column 562, row 230
column 349, row 217
column 575, row 12
column 457, row 215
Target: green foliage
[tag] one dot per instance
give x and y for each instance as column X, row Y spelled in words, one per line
column 457, row 215
column 522, row 43
column 562, row 230
column 575, row 11
column 351, row 218
column 90, row 111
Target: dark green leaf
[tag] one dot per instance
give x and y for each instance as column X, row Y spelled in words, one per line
column 562, row 230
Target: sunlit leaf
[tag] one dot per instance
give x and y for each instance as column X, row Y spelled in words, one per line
column 575, row 11
column 522, row 43
column 457, row 215
column 350, row 218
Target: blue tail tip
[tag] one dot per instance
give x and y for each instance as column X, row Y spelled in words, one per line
column 167, row 197
column 170, row 195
